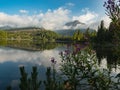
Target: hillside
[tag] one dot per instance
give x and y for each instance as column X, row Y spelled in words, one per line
column 28, row 33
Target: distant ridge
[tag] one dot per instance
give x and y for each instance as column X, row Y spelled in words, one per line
column 5, row 27
column 70, row 32
column 25, row 28
column 9, row 28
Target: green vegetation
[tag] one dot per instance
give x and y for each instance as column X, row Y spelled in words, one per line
column 3, row 35
column 111, row 35
column 79, row 71
column 78, row 35
column 45, row 35
column 39, row 35
column 79, row 67
column 84, row 36
column 29, row 34
column 31, row 45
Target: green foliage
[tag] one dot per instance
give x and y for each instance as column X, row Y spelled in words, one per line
column 35, row 35
column 114, row 31
column 89, row 36
column 113, row 9
column 19, row 35
column 103, row 35
column 31, row 83
column 45, row 35
column 78, row 35
column 84, row 36
column 3, row 35
column 50, row 83
column 34, row 83
column 24, row 80
column 81, row 70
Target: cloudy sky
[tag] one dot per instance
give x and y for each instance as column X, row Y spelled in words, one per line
column 52, row 14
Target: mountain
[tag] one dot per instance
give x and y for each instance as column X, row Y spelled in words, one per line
column 5, row 27
column 74, row 23
column 9, row 28
column 70, row 32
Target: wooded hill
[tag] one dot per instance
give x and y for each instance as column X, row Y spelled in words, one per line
column 28, row 34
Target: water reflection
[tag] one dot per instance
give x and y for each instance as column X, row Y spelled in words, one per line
column 108, row 56
column 11, row 59
column 28, row 54
column 31, row 45
column 21, row 56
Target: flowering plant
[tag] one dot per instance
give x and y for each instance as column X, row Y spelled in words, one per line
column 80, row 67
column 113, row 9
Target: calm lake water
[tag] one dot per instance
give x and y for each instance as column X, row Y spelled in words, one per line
column 12, row 58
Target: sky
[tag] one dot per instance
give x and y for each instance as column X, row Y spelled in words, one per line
column 52, row 14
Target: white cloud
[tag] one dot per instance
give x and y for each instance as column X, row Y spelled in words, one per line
column 23, row 11
column 96, row 23
column 15, row 20
column 85, row 18
column 107, row 21
column 55, row 19
column 88, row 17
column 21, row 56
column 52, row 19
column 91, row 19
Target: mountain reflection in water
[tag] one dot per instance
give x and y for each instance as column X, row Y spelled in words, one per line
column 12, row 56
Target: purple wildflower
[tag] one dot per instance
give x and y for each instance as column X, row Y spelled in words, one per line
column 109, row 1
column 53, row 60
column 112, row 9
column 108, row 7
column 78, row 49
column 67, row 52
column 104, row 4
column 77, row 45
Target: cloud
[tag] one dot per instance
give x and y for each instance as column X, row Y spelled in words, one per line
column 52, row 19
column 107, row 21
column 91, row 19
column 88, row 17
column 85, row 18
column 21, row 56
column 55, row 19
column 23, row 11
column 15, row 20
column 96, row 23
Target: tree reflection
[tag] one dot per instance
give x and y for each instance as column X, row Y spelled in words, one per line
column 30, row 45
column 110, row 53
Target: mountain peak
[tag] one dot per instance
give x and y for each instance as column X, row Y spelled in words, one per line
column 74, row 23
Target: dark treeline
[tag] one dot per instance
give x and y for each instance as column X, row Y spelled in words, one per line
column 106, row 43
column 110, row 35
column 42, row 35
